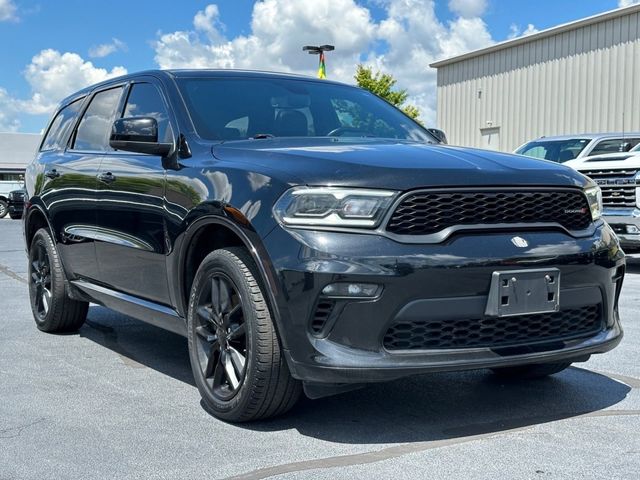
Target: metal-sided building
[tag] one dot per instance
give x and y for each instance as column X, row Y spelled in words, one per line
column 16, row 151
column 580, row 77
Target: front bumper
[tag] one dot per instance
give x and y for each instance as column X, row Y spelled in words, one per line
column 15, row 208
column 626, row 223
column 427, row 280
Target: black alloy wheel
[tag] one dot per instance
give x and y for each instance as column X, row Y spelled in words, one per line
column 221, row 337
column 40, row 281
column 53, row 310
column 234, row 348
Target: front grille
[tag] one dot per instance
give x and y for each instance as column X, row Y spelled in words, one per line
column 424, row 213
column 618, row 196
column 608, row 173
column 492, row 332
column 622, row 194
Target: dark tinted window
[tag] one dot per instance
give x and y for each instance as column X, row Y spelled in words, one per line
column 63, row 122
column 11, row 177
column 554, row 150
column 145, row 101
column 95, row 126
column 614, row 145
column 240, row 108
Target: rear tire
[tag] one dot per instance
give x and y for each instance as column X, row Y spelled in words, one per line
column 53, row 310
column 234, row 348
column 4, row 209
column 528, row 372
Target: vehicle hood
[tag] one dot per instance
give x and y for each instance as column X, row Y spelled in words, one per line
column 398, row 165
column 608, row 161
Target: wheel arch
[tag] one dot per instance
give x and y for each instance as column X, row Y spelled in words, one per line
column 214, row 232
column 34, row 219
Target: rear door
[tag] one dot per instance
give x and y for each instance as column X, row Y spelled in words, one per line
column 71, row 163
column 131, row 248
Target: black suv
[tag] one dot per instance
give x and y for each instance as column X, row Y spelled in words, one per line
column 15, row 203
column 305, row 234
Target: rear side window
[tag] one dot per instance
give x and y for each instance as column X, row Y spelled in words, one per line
column 95, row 126
column 145, row 101
column 554, row 150
column 58, row 131
column 614, row 145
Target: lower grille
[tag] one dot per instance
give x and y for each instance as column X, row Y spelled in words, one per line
column 491, row 332
column 321, row 315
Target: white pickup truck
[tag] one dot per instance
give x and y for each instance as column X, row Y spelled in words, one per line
column 618, row 175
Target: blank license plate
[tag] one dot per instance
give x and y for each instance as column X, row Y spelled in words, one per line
column 519, row 292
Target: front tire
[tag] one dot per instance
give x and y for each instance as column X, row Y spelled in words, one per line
column 528, row 372
column 234, row 349
column 15, row 216
column 52, row 308
column 4, row 209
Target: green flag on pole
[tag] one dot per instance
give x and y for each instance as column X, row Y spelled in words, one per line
column 322, row 69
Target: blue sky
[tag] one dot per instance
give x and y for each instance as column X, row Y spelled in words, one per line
column 143, row 34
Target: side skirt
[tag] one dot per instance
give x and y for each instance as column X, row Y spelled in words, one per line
column 149, row 312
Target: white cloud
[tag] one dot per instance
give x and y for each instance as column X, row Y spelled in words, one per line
column 104, row 49
column 279, row 30
column 208, row 21
column 515, row 30
column 627, row 3
column 53, row 75
column 8, row 120
column 7, row 11
column 468, row 8
column 411, row 37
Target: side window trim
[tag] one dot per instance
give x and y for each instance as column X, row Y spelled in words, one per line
column 71, row 141
column 128, row 88
column 167, row 106
column 61, row 108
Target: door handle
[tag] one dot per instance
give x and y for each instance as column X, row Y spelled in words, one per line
column 107, row 177
column 53, row 173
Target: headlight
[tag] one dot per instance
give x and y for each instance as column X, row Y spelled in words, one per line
column 594, row 197
column 333, row 207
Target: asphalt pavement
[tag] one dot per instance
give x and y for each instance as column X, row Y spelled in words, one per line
column 117, row 400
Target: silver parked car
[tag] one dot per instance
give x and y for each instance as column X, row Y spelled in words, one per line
column 570, row 147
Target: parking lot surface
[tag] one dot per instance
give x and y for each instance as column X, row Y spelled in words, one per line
column 116, row 400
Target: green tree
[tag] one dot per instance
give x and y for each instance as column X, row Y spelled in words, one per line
column 382, row 85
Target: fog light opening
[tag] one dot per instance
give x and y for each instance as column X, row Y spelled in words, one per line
column 352, row 290
column 632, row 229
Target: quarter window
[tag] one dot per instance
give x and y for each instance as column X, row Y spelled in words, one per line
column 58, row 131
column 145, row 101
column 95, row 126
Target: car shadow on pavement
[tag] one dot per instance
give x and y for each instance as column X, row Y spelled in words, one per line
column 442, row 406
column 429, row 407
column 138, row 342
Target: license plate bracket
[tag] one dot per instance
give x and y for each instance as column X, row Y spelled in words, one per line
column 519, row 292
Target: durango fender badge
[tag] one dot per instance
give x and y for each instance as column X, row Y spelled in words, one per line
column 519, row 242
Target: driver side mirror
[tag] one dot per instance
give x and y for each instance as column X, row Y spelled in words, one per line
column 138, row 135
column 439, row 134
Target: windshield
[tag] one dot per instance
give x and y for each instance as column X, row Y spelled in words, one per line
column 241, row 108
column 555, row 150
